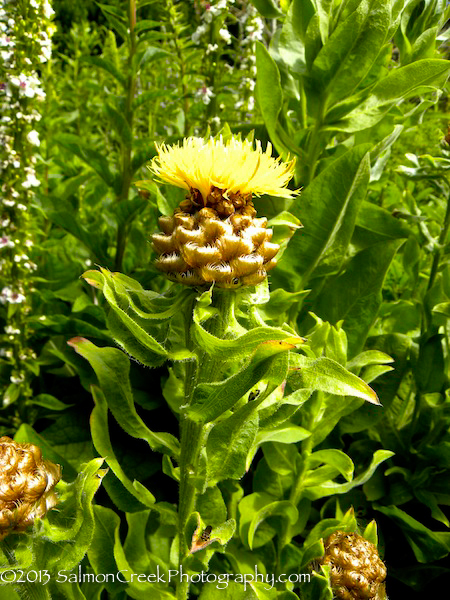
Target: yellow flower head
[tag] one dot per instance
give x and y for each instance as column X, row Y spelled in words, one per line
column 232, row 166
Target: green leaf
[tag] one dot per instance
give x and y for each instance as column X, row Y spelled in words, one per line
column 328, row 211
column 285, row 434
column 357, row 293
column 70, row 529
column 335, row 458
column 133, row 310
column 281, row 458
column 369, row 357
column 373, row 219
column 241, row 346
column 256, row 508
column 106, row 65
column 210, row 400
column 267, row 8
column 429, row 371
column 102, row 443
column 370, row 533
column 351, row 50
column 101, row 551
column 269, row 92
column 50, row 402
column 293, row 35
column 282, row 508
column 401, row 83
column 329, row 488
column 112, row 368
column 151, row 53
column 443, row 308
column 326, row 375
column 119, row 123
column 69, row 222
column 229, row 443
column 91, row 157
column 426, row 544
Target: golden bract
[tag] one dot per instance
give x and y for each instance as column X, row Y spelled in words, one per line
column 26, row 485
column 214, row 235
column 356, row 570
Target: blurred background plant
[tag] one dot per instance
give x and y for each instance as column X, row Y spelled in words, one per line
column 356, row 91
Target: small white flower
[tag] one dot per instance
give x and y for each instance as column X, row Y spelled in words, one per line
column 17, row 379
column 199, row 33
column 8, row 295
column 9, row 203
column 33, row 138
column 211, row 48
column 6, row 242
column 10, row 330
column 31, row 181
column 225, row 35
column 48, row 10
column 16, row 164
column 206, row 94
column 21, row 207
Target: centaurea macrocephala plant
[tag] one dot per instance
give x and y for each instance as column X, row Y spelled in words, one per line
column 234, row 378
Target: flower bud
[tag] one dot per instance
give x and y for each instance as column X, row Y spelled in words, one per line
column 356, row 570
column 26, row 485
column 206, row 247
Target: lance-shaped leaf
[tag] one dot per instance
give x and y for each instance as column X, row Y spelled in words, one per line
column 426, row 544
column 138, row 589
column 335, row 458
column 357, row 292
column 102, row 443
column 330, row 487
column 101, row 551
column 210, row 400
column 269, row 94
column 351, row 50
column 421, row 76
column 112, row 368
column 325, row 375
column 328, row 212
column 255, row 508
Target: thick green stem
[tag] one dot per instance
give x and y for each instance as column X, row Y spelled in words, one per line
column 193, row 433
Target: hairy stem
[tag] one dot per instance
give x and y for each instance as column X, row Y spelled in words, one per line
column 193, row 433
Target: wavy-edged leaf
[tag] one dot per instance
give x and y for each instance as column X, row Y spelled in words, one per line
column 102, row 443
column 112, row 368
column 329, row 488
column 210, row 400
